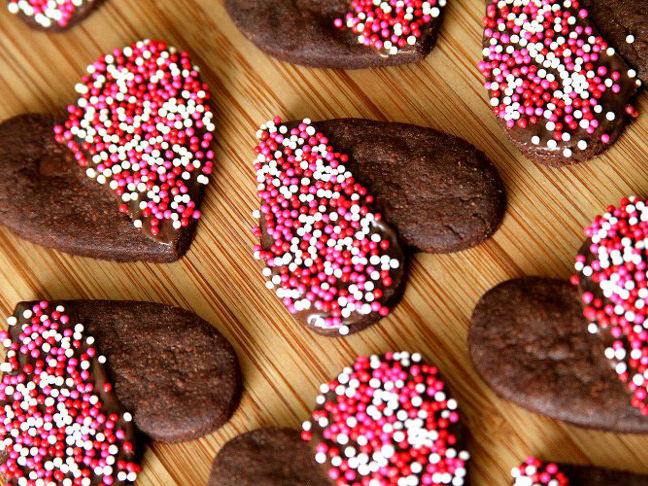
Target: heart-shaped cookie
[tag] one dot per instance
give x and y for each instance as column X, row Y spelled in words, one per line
column 52, row 16
column 557, row 86
column 529, row 341
column 61, row 421
column 576, row 352
column 174, row 372
column 534, row 472
column 385, row 420
column 344, row 34
column 340, row 197
column 122, row 177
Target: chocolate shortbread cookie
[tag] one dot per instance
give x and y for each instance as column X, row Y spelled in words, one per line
column 338, row 199
column 61, row 421
column 528, row 340
column 386, row 420
column 43, row 15
column 269, row 457
column 537, row 473
column 47, row 199
column 344, row 34
column 176, row 374
column 133, row 151
column 557, row 86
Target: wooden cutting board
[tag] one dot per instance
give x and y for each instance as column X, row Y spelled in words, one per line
column 283, row 364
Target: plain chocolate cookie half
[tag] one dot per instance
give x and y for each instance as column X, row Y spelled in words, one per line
column 46, row 198
column 268, row 457
column 176, row 374
column 528, row 340
column 440, row 193
column 80, row 13
column 303, row 32
column 625, row 24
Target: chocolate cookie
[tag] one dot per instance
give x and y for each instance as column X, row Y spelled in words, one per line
column 537, row 473
column 41, row 15
column 559, row 89
column 176, row 374
column 436, row 192
column 60, row 419
column 341, row 34
column 269, row 457
column 123, row 175
column 529, row 341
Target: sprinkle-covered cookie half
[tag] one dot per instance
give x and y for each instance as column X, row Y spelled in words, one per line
column 345, row 34
column 388, row 420
column 328, row 255
column 534, row 472
column 559, row 88
column 60, row 419
column 611, row 274
column 141, row 133
column 142, row 126
column 52, row 15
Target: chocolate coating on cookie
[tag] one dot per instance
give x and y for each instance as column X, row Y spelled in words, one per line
column 46, row 198
column 329, row 256
column 528, row 340
column 59, row 19
column 269, row 457
column 304, row 32
column 60, row 419
column 439, row 192
column 559, row 89
column 176, row 373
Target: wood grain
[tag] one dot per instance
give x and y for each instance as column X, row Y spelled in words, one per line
column 283, row 364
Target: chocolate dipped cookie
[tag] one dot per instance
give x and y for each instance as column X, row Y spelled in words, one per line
column 343, row 202
column 122, row 176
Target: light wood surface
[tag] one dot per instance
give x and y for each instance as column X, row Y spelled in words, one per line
column 282, row 363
